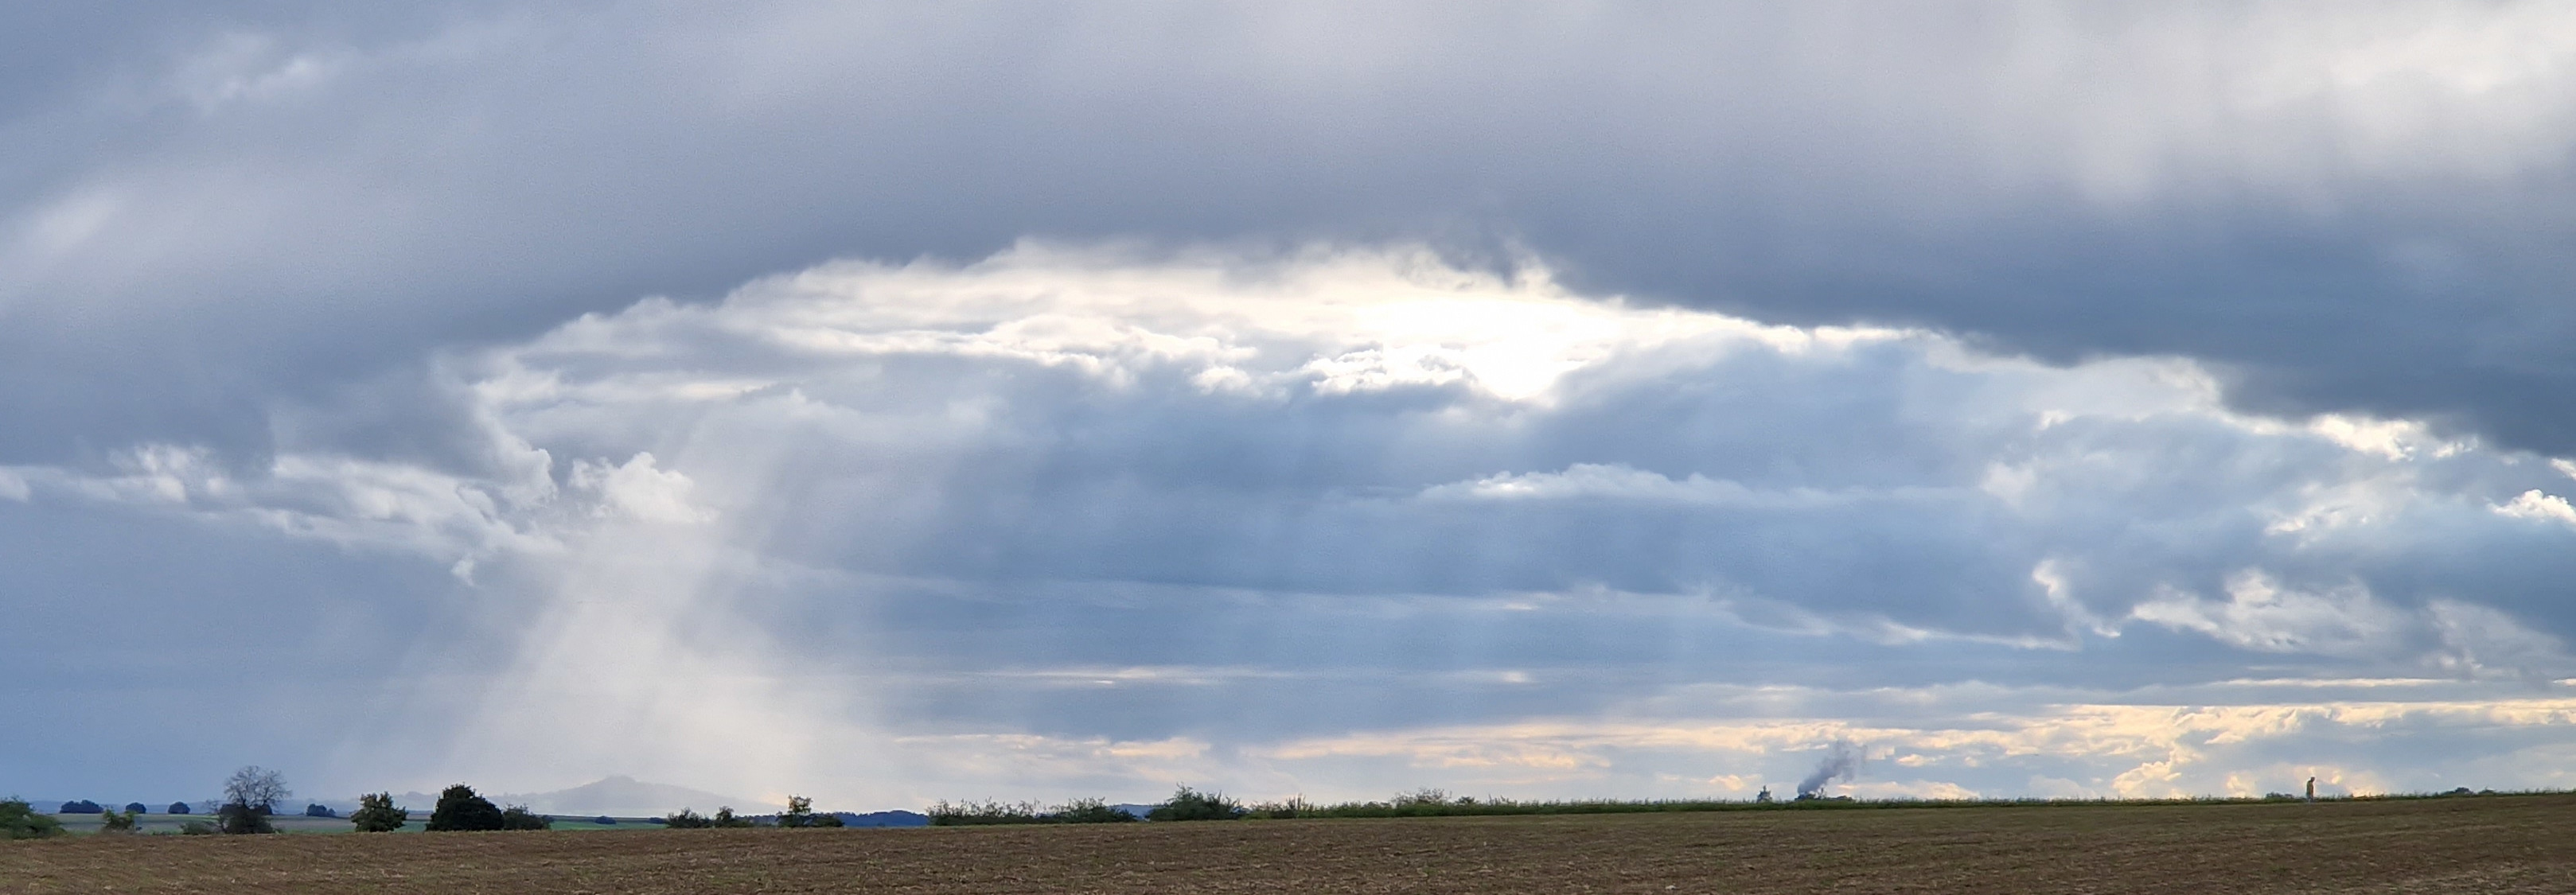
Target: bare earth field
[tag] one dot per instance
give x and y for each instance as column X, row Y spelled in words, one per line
column 2497, row 844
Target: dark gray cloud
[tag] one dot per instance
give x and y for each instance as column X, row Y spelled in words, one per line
column 2355, row 209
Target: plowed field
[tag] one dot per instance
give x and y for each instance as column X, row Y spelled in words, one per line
column 2499, row 844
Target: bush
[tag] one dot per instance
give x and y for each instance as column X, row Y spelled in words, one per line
column 1288, row 809
column 686, row 820
column 1089, row 811
column 116, row 821
column 239, row 819
column 1191, row 804
column 724, row 818
column 83, row 806
column 963, row 814
column 315, row 809
column 1078, row 811
column 136, row 808
column 181, row 808
column 197, row 828
column 604, row 820
column 19, row 820
column 461, row 810
column 377, row 814
column 518, row 817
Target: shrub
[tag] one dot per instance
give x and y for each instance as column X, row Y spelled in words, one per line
column 1423, row 796
column 604, row 820
column 1078, row 811
column 518, row 817
column 19, row 820
column 686, row 820
column 461, row 810
column 1191, row 804
column 181, row 808
column 197, row 828
column 239, row 819
column 83, row 806
column 724, row 818
column 1089, row 811
column 1289, row 809
column 376, row 814
column 960, row 814
column 116, row 821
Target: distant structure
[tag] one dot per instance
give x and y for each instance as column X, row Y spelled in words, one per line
column 1763, row 797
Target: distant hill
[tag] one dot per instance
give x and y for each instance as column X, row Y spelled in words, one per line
column 618, row 796
column 884, row 819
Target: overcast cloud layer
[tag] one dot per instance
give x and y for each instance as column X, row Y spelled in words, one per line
column 896, row 404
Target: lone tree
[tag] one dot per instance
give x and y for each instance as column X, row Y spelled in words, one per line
column 136, row 808
column 250, row 796
column 180, row 808
column 461, row 810
column 800, row 813
column 377, row 814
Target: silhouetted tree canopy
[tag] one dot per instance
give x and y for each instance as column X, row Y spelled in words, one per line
column 461, row 810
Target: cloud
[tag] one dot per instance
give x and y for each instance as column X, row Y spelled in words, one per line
column 1481, row 368
column 875, row 505
column 2349, row 211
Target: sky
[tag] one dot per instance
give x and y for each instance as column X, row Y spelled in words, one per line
column 892, row 403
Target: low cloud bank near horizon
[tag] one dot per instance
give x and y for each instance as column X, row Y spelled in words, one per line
column 1091, row 519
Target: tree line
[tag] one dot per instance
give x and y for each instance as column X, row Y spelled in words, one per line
column 253, row 794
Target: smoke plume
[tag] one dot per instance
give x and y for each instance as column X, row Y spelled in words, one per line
column 1841, row 762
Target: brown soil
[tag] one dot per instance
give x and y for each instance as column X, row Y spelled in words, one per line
column 2498, row 844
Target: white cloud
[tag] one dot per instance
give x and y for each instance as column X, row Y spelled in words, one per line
column 2260, row 614
column 2538, row 505
column 639, row 490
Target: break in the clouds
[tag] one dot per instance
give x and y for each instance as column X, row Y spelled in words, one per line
column 1542, row 399
column 1332, row 520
